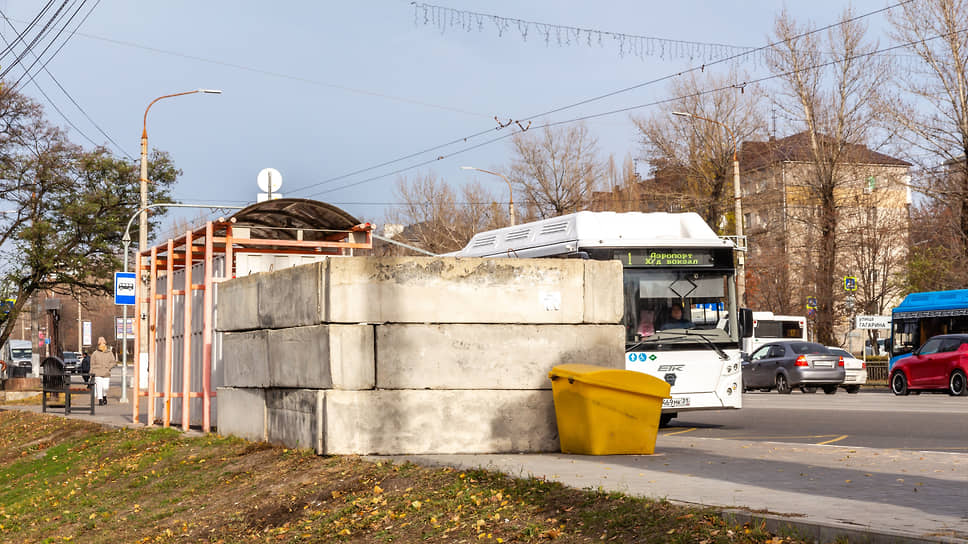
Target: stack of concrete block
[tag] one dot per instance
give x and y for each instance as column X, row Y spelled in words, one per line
column 398, row 355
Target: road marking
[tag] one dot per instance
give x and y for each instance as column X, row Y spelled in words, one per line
column 680, row 432
column 839, row 438
column 809, row 436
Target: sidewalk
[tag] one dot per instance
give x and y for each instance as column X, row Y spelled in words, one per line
column 865, row 495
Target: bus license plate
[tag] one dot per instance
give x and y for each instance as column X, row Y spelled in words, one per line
column 678, row 402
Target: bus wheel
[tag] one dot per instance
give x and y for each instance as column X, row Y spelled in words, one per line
column 956, row 385
column 664, row 419
column 808, row 389
column 782, row 385
column 899, row 384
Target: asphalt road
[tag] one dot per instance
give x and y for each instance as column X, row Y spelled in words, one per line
column 871, row 418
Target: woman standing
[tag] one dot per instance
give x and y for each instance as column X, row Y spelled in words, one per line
column 101, row 364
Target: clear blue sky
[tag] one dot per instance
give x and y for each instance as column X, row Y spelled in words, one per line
column 318, row 90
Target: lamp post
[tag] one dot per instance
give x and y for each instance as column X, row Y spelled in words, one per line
column 738, row 201
column 510, row 190
column 143, row 223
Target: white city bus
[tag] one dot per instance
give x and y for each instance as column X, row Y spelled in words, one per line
column 770, row 328
column 668, row 259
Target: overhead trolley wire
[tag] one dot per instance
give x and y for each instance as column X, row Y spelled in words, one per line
column 574, row 105
column 635, row 107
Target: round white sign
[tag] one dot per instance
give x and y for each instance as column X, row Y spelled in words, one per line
column 269, row 180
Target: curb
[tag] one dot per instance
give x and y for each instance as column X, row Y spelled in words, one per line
column 832, row 532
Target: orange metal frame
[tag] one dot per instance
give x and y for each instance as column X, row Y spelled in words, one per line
column 180, row 254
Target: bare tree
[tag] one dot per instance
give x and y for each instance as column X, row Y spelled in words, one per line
column 692, row 159
column 555, row 170
column 932, row 116
column 828, row 87
column 437, row 218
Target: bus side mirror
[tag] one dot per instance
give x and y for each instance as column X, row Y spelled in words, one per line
column 745, row 323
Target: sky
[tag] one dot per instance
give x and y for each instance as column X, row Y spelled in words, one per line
column 332, row 94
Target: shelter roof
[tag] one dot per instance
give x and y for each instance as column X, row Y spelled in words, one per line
column 280, row 219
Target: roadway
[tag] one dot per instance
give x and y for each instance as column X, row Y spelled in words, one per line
column 873, row 418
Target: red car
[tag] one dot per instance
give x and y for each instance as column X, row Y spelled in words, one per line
column 941, row 363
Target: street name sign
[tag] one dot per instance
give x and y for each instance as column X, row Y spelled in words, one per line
column 124, row 287
column 873, row 322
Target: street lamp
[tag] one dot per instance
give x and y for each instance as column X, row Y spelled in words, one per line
column 143, row 223
column 510, row 190
column 737, row 199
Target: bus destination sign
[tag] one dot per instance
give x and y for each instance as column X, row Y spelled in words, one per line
column 665, row 257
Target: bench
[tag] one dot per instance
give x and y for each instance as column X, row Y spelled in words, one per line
column 57, row 381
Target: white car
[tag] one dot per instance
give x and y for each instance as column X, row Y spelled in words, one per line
column 856, row 370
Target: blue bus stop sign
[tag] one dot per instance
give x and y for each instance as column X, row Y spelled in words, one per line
column 124, row 287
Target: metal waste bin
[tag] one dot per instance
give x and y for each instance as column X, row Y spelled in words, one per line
column 605, row 411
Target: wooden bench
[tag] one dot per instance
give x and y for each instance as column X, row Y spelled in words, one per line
column 57, row 381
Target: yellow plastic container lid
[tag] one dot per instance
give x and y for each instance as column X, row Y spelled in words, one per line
column 612, row 378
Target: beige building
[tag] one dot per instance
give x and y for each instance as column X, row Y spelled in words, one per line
column 781, row 203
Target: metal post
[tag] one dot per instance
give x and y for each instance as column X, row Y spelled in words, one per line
column 169, row 321
column 207, row 330
column 138, row 296
column 187, row 338
column 152, row 325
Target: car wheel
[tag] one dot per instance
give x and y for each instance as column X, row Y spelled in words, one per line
column 830, row 389
column 664, row 419
column 956, row 384
column 899, row 384
column 852, row 389
column 782, row 385
column 808, row 389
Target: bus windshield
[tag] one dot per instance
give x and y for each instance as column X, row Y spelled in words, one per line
column 674, row 300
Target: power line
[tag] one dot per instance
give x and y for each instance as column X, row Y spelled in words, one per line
column 639, row 106
column 28, row 28
column 49, row 45
column 66, row 92
column 583, row 102
column 28, row 47
column 281, row 75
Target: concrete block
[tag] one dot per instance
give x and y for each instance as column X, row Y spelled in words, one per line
column 431, row 421
column 242, row 413
column 322, row 357
column 472, row 356
column 295, row 418
column 245, row 359
column 291, row 297
column 452, row 290
column 602, row 296
column 237, row 304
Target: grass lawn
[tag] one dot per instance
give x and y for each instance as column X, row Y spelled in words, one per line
column 66, row 480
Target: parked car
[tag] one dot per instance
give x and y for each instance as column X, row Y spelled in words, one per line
column 940, row 364
column 855, row 370
column 788, row 364
column 71, row 361
column 18, row 354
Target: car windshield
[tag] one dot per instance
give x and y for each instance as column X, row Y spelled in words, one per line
column 21, row 353
column 808, row 348
column 675, row 300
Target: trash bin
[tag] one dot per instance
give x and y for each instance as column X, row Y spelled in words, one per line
column 605, row 411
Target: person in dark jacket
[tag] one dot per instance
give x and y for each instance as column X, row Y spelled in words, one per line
column 85, row 366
